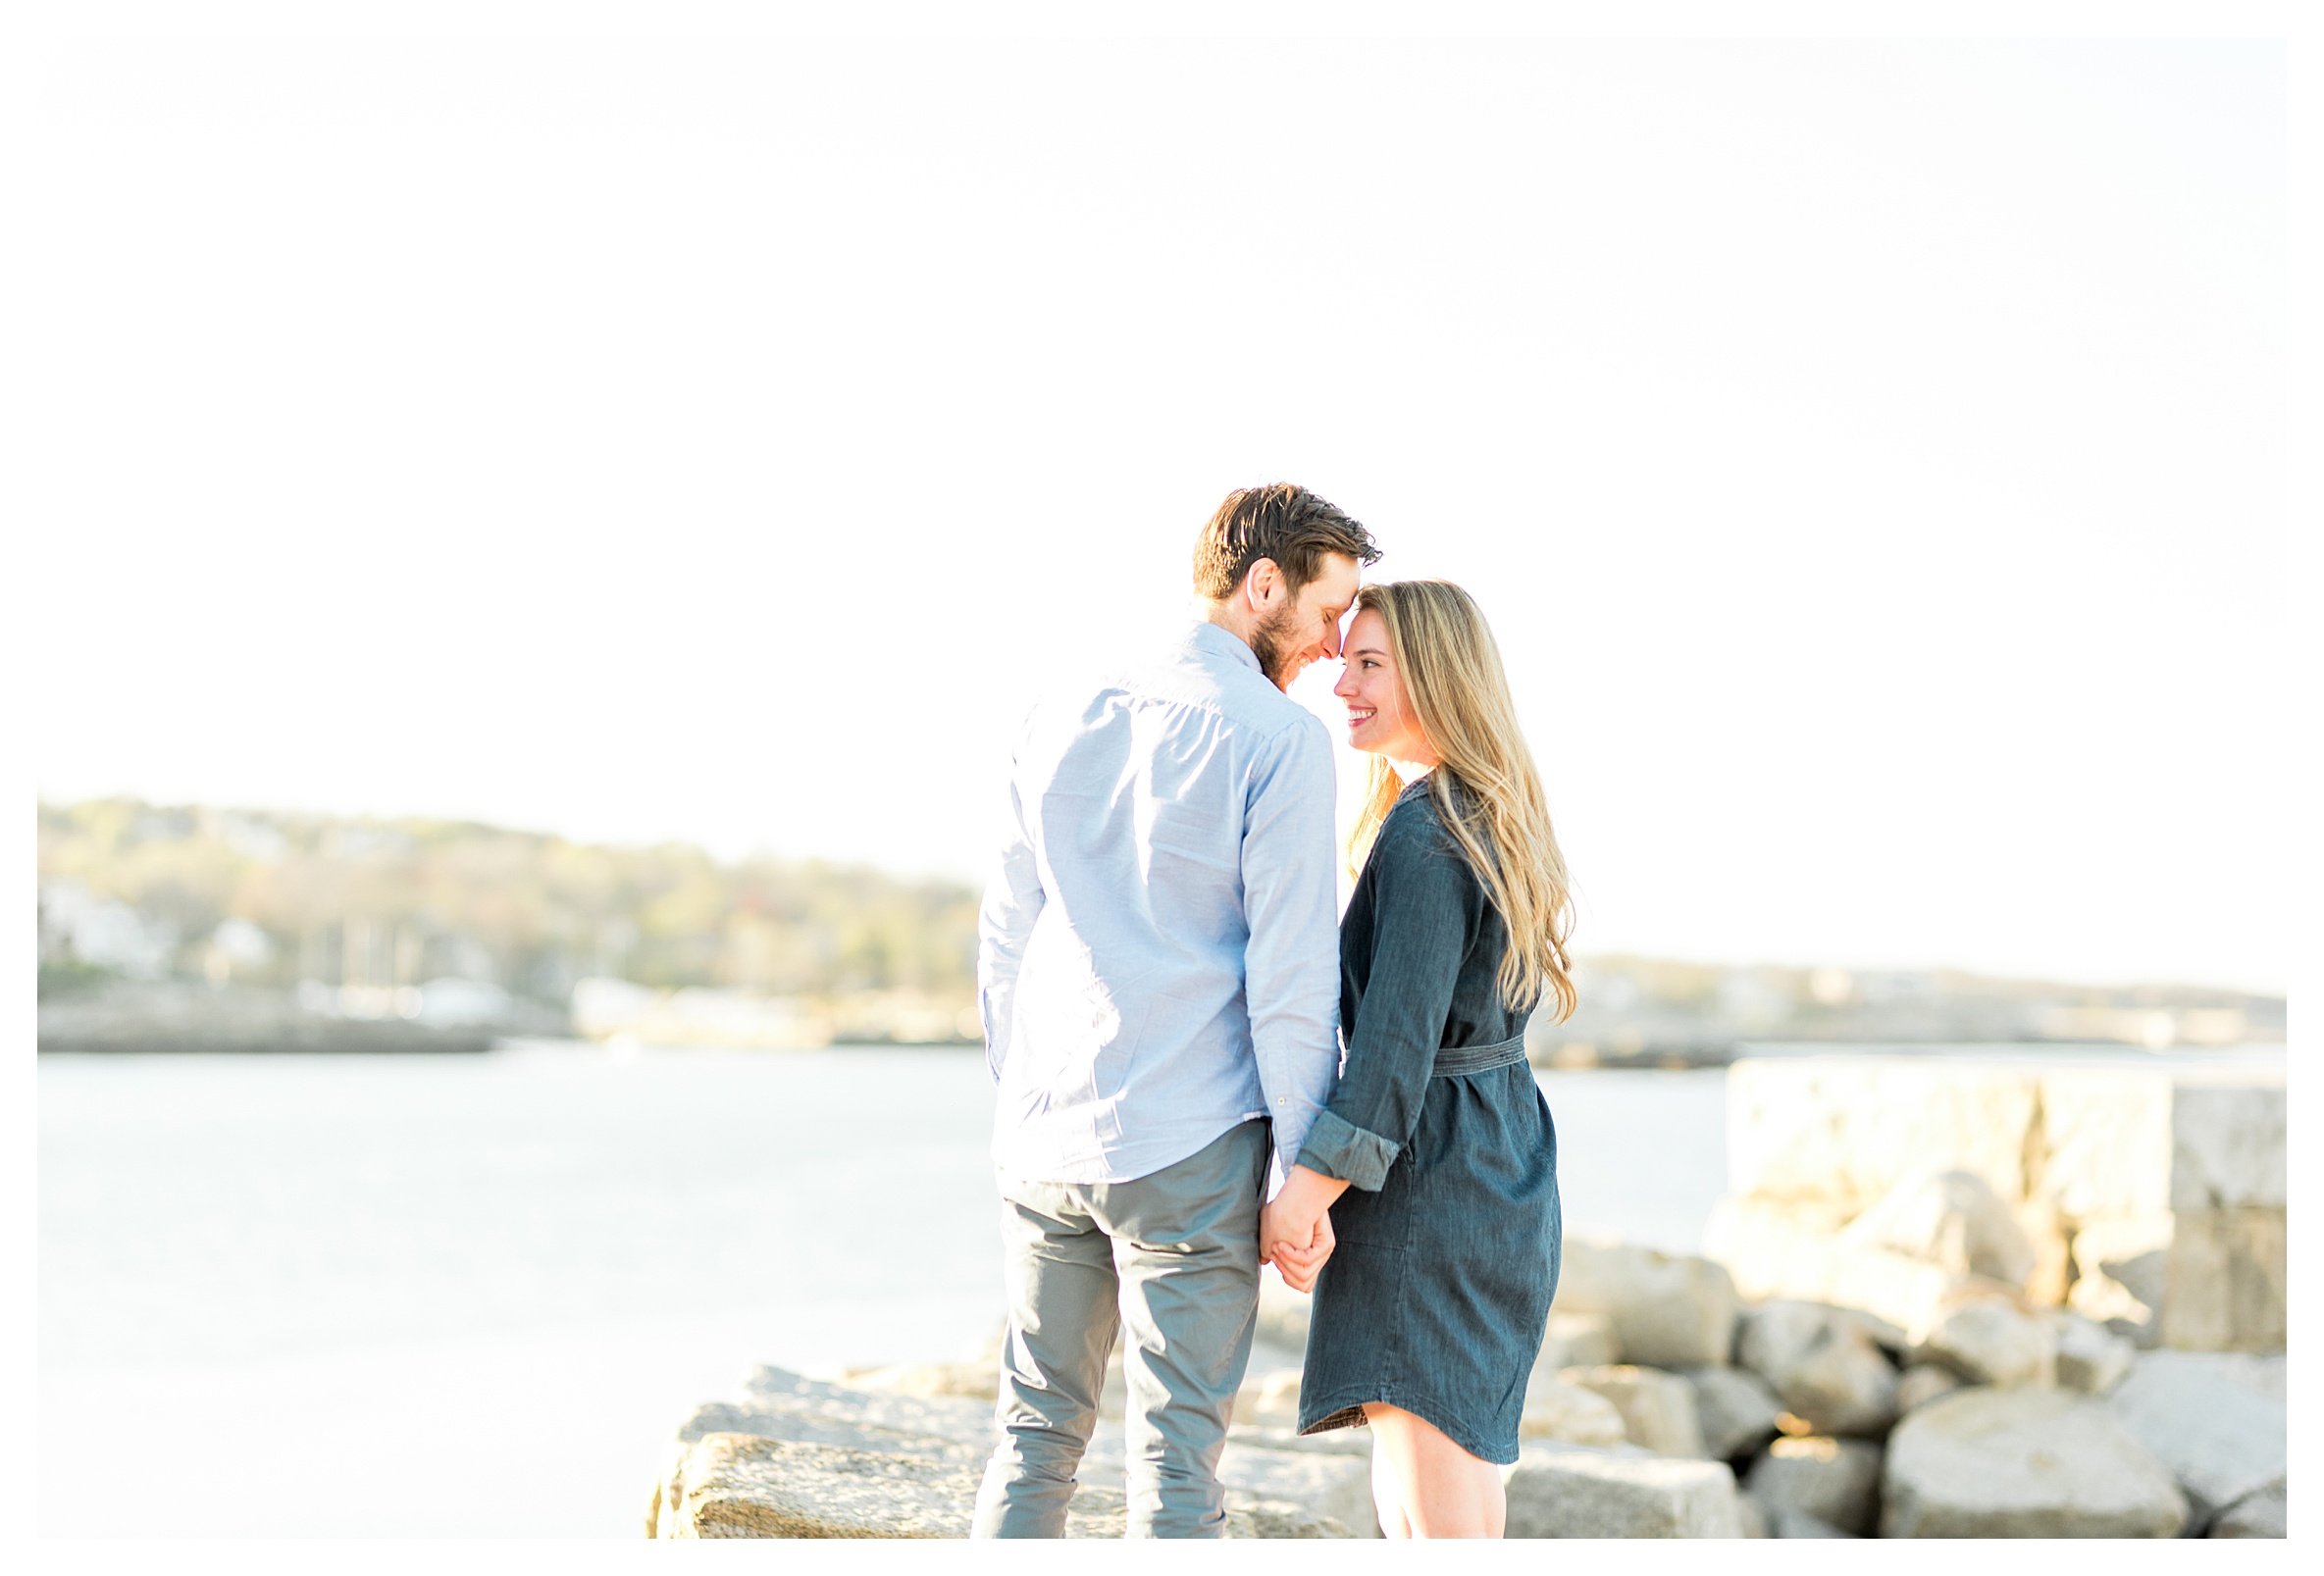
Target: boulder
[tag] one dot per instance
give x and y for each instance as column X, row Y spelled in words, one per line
column 843, row 1462
column 1657, row 1408
column 768, row 1388
column 1844, row 1131
column 1799, row 1524
column 1949, row 1218
column 2191, row 1159
column 2024, row 1463
column 1667, row 1310
column 2254, row 1515
column 1833, row 1480
column 1571, row 1491
column 2221, row 1441
column 1557, row 1410
column 2090, row 1357
column 1991, row 1341
column 1735, row 1409
column 2122, row 1268
column 749, row 1486
column 805, row 1426
column 1578, row 1341
column 975, row 1381
column 1747, row 1511
column 2197, row 1280
column 2225, row 1286
column 2228, row 1146
column 1268, row 1399
column 1822, row 1366
column 1790, row 1252
column 1921, row 1384
column 1325, row 1486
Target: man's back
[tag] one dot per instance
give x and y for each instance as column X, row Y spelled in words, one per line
column 1160, row 957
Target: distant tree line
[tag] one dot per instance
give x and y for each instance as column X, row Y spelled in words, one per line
column 268, row 897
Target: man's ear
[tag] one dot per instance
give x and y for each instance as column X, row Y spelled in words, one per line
column 1264, row 581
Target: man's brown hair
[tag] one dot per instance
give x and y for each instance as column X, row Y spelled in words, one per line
column 1287, row 524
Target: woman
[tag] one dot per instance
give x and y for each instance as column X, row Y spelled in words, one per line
column 1435, row 1157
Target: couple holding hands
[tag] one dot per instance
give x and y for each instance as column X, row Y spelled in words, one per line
column 1175, row 1022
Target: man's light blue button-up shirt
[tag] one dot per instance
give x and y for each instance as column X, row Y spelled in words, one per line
column 1158, row 954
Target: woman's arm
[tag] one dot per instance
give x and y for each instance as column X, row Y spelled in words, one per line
column 1426, row 908
column 1425, row 912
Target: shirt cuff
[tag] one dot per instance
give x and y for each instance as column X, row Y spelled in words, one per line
column 1340, row 1149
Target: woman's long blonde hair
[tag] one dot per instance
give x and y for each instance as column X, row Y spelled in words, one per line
column 1487, row 790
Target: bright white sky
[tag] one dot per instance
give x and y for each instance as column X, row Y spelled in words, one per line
column 1871, row 454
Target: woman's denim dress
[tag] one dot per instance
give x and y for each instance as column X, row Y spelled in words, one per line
column 1437, row 1295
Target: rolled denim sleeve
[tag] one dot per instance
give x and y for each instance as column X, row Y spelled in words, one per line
column 1426, row 911
column 1291, row 961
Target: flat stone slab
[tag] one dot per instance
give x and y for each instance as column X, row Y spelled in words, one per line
column 2024, row 1463
column 747, row 1486
column 1327, row 1485
column 1571, row 1491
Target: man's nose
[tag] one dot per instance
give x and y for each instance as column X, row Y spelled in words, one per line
column 1331, row 638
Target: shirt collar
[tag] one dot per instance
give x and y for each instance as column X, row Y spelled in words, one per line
column 1218, row 641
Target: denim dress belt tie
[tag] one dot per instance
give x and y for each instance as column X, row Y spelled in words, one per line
column 1459, row 1061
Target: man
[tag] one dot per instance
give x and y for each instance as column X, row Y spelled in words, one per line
column 1158, row 976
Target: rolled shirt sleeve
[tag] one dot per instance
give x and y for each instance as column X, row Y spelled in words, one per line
column 1291, row 961
column 1427, row 909
column 1013, row 899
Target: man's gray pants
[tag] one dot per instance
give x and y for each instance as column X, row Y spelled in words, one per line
column 1172, row 1257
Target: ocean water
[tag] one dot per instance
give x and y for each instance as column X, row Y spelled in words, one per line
column 346, row 1295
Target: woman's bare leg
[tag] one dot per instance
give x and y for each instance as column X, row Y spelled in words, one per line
column 1425, row 1486
column 1385, row 1499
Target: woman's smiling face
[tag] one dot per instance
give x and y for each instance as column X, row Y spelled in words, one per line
column 1380, row 718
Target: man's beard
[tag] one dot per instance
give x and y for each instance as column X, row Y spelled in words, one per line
column 1273, row 638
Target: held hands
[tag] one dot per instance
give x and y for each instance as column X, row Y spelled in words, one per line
column 1295, row 1227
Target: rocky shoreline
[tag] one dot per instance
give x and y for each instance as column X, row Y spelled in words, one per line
column 1930, row 1322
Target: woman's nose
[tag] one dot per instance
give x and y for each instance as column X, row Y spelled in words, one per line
column 1346, row 688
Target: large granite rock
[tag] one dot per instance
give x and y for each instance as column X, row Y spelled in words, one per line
column 2224, row 1287
column 2264, row 1514
column 1558, row 1410
column 2220, row 1437
column 1782, row 1249
column 1268, row 1399
column 2090, row 1357
column 2197, row 1280
column 1991, row 1341
column 833, row 1462
column 1325, row 1486
column 2024, row 1463
column 1657, row 1408
column 1822, row 1364
column 730, row 1484
column 1667, row 1310
column 2162, row 1187
column 1569, row 1491
column 1836, row 1481
column 1736, row 1409
column 1578, row 1341
column 1952, row 1219
column 1923, row 1383
column 972, row 1381
column 1844, row 1131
